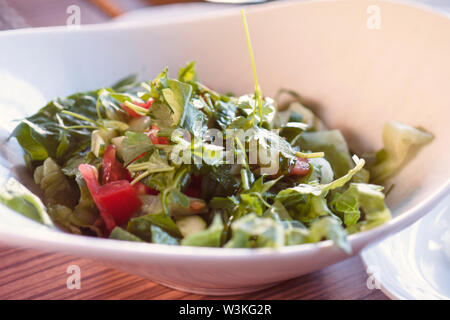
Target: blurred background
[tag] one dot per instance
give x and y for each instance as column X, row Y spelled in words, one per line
column 15, row 14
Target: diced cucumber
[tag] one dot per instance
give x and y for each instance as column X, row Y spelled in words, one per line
column 190, row 225
column 100, row 139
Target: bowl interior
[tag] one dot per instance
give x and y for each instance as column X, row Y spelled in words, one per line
column 357, row 78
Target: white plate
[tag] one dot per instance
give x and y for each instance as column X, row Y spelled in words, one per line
column 359, row 77
column 415, row 263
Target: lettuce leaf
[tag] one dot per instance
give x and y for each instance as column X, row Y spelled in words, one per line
column 401, row 144
column 333, row 144
column 366, row 198
column 18, row 198
column 320, row 189
column 120, row 234
column 211, row 237
column 162, row 237
column 329, row 228
column 252, row 231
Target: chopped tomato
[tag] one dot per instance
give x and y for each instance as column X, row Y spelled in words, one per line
column 141, row 189
column 147, row 105
column 301, row 167
column 153, row 135
column 119, row 200
column 111, row 168
column 116, row 200
column 163, row 140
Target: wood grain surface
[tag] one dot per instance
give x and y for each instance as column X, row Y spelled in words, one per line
column 31, row 274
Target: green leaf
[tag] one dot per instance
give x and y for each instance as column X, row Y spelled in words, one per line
column 246, row 104
column 134, row 144
column 194, row 121
column 141, row 226
column 347, row 204
column 320, row 189
column 371, row 201
column 277, row 212
column 125, row 83
column 294, row 232
column 155, row 164
column 35, row 150
column 55, row 185
column 47, row 133
column 252, row 231
column 18, row 198
column 177, row 96
column 177, row 197
column 206, row 238
column 162, row 237
column 161, row 115
column 333, row 144
column 120, row 234
column 329, row 228
column 187, row 73
column 401, row 143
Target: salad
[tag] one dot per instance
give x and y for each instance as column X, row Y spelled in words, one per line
column 171, row 161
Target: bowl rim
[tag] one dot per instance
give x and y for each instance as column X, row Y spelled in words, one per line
column 58, row 241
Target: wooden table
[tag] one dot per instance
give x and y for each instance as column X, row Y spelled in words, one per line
column 30, row 274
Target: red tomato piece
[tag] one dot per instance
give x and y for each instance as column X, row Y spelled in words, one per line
column 153, row 135
column 195, row 187
column 301, row 167
column 141, row 189
column 111, row 168
column 117, row 200
column 147, row 105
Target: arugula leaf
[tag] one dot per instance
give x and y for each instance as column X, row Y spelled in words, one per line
column 18, row 198
column 134, row 144
column 161, row 115
column 224, row 113
column 187, row 73
column 53, row 133
column 247, row 105
column 155, row 164
column 209, row 237
column 177, row 96
column 270, row 140
column 194, row 121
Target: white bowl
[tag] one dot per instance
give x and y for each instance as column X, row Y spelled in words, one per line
column 359, row 77
column 414, row 264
